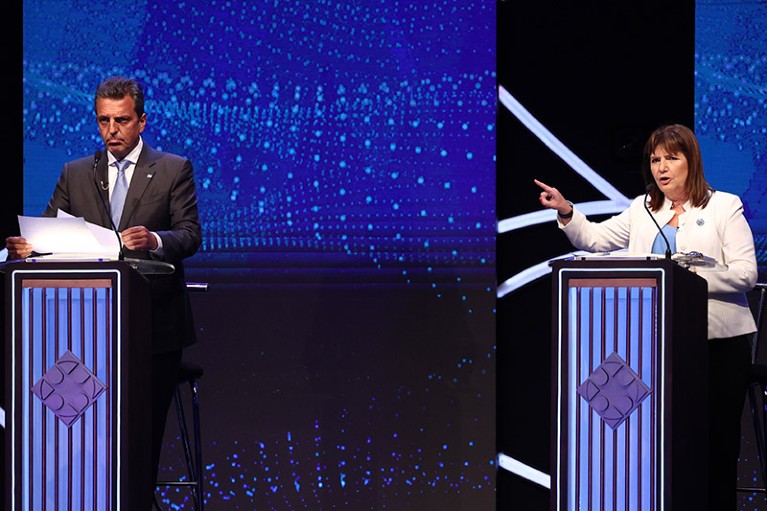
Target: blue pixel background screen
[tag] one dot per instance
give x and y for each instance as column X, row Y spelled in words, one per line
column 731, row 106
column 345, row 162
column 338, row 134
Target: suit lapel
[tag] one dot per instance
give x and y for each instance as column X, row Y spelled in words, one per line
column 102, row 188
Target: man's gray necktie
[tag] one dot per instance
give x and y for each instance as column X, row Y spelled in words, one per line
column 117, row 201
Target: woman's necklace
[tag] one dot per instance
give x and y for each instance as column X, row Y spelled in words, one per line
column 674, row 222
column 676, row 203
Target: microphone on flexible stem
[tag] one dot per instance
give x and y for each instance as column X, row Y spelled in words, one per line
column 96, row 158
column 668, row 245
column 105, row 186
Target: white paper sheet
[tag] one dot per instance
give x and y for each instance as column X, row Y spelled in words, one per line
column 69, row 237
column 106, row 237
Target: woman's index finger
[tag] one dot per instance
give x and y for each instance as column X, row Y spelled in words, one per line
column 543, row 185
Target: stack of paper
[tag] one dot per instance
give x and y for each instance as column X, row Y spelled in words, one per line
column 68, row 237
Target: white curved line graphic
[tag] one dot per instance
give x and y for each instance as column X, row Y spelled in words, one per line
column 602, row 207
column 530, row 274
column 515, row 466
column 616, row 202
column 553, row 143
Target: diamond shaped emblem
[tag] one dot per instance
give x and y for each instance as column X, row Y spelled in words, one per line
column 614, row 390
column 68, row 388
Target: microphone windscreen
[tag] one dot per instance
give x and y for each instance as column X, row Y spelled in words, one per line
column 97, row 155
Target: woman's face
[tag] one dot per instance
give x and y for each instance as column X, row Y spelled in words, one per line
column 670, row 173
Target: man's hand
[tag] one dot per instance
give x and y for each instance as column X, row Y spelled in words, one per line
column 18, row 247
column 138, row 238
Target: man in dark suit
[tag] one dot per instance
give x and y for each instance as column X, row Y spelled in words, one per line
column 159, row 221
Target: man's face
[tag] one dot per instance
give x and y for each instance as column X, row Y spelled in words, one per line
column 119, row 125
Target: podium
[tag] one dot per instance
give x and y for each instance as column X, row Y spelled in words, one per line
column 76, row 382
column 629, row 386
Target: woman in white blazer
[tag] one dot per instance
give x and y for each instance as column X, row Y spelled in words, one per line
column 694, row 217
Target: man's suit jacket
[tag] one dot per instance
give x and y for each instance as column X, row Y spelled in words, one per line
column 161, row 197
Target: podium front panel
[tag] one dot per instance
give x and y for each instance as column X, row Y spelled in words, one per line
column 609, row 398
column 65, row 387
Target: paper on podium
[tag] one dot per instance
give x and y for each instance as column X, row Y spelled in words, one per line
column 698, row 261
column 69, row 237
column 688, row 260
column 619, row 254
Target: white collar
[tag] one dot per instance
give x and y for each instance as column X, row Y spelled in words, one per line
column 132, row 156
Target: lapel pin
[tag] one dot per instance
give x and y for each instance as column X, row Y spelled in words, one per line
column 700, row 221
